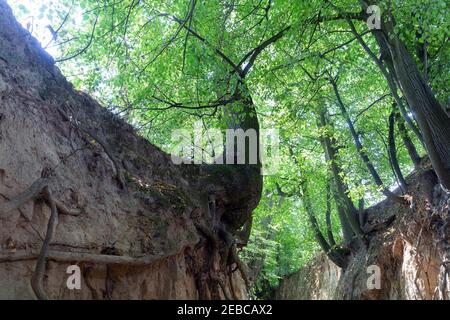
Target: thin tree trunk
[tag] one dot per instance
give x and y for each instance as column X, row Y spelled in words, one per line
column 432, row 119
column 360, row 149
column 412, row 151
column 388, row 75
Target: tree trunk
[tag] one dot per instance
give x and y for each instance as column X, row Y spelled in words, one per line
column 433, row 121
column 359, row 147
column 412, row 151
column 348, row 214
column 392, row 150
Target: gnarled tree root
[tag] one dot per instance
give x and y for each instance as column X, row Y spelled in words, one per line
column 38, row 189
column 30, row 193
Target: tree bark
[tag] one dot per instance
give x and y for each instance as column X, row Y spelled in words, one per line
column 409, row 145
column 348, row 216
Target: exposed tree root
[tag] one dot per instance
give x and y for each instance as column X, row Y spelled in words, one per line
column 87, row 279
column 215, row 277
column 240, row 266
column 62, row 209
column 66, row 256
column 208, row 234
column 230, row 280
column 443, row 283
column 40, row 189
column 213, row 238
column 109, row 283
column 230, row 249
column 33, row 193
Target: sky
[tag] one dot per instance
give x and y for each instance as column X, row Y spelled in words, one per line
column 37, row 15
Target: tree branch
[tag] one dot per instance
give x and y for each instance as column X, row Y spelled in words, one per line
column 32, row 192
column 359, row 146
column 253, row 54
column 85, row 47
column 206, row 42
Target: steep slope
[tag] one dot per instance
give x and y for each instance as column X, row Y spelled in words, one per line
column 412, row 253
column 137, row 225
